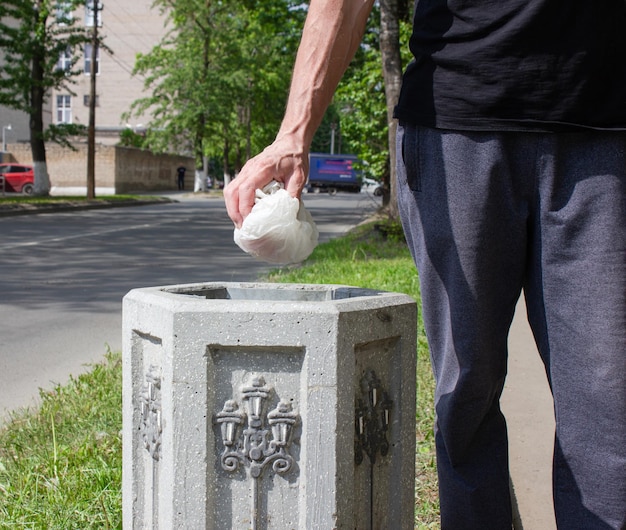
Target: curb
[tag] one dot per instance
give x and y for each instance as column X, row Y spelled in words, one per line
column 13, row 209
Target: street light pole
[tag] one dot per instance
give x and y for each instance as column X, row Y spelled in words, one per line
column 4, row 139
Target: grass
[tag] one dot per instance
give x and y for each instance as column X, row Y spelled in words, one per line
column 60, row 466
column 30, row 199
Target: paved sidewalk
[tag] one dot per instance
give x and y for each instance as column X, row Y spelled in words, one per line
column 527, row 405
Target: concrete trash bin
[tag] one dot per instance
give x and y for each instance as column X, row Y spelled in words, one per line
column 254, row 405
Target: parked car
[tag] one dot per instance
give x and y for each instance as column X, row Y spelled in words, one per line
column 372, row 186
column 18, row 178
column 219, row 184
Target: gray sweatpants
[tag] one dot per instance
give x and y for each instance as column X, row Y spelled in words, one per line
column 486, row 215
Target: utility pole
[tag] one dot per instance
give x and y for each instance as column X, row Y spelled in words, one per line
column 91, row 130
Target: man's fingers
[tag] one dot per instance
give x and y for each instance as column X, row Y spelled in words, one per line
column 259, row 171
column 239, row 194
column 239, row 202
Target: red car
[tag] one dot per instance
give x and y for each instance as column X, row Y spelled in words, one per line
column 18, row 178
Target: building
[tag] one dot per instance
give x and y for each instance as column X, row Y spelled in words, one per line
column 127, row 28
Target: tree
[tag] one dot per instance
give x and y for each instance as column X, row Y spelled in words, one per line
column 34, row 35
column 183, row 78
column 360, row 101
column 366, row 97
column 392, row 13
column 218, row 81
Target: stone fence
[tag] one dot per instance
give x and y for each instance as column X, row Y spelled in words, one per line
column 118, row 169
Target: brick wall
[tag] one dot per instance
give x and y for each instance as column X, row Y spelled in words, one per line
column 139, row 170
column 124, row 169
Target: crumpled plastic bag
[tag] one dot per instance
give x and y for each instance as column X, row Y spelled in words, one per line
column 279, row 229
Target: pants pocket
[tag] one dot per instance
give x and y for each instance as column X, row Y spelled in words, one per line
column 411, row 156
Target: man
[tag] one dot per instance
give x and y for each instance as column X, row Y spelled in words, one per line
column 511, row 176
column 180, row 174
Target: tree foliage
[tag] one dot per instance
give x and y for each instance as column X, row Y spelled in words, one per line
column 360, row 100
column 33, row 36
column 362, row 97
column 363, row 104
column 217, row 82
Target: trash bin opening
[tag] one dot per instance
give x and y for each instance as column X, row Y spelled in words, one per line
column 276, row 292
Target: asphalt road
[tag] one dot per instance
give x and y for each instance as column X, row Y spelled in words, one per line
column 63, row 276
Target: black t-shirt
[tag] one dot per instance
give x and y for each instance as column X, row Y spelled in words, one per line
column 516, row 65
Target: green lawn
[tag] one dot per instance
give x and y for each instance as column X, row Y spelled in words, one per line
column 60, row 466
column 52, row 199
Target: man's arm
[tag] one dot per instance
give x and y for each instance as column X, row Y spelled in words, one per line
column 332, row 33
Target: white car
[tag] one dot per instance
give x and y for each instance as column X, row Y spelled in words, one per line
column 372, row 186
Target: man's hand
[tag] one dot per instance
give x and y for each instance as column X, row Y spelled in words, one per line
column 279, row 162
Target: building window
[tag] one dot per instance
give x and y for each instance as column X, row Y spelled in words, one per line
column 64, row 109
column 65, row 61
column 88, row 49
column 63, row 13
column 90, row 13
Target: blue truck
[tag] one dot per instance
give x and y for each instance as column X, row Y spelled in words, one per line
column 333, row 173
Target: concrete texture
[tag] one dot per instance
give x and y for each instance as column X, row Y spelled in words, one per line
column 339, row 359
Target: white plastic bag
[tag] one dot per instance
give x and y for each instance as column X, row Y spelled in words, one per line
column 279, row 229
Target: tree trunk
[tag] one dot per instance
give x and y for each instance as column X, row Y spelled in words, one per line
column 37, row 145
column 392, row 74
column 227, row 177
column 199, row 157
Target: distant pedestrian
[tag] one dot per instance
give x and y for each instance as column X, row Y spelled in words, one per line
column 181, row 177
